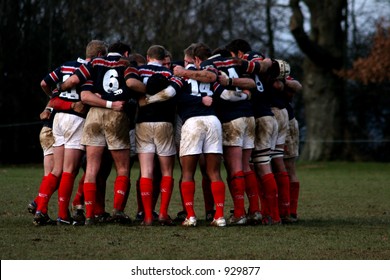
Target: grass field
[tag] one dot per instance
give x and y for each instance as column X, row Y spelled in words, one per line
column 344, row 214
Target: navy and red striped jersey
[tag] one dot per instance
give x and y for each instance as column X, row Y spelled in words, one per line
column 160, row 111
column 228, row 110
column 105, row 75
column 190, row 99
column 60, row 74
column 261, row 101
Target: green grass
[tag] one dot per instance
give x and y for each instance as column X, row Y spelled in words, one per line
column 344, row 210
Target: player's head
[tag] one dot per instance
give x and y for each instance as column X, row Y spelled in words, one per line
column 119, row 47
column 189, row 54
column 167, row 59
column 156, row 52
column 96, row 48
column 222, row 51
column 201, row 53
column 137, row 59
column 238, row 47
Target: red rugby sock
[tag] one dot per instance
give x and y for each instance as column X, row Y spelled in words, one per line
column 90, row 199
column 283, row 182
column 252, row 191
column 188, row 192
column 218, row 190
column 146, row 190
column 237, row 189
column 46, row 190
column 166, row 193
column 64, row 195
column 121, row 186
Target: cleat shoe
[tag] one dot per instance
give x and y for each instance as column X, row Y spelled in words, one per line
column 139, row 216
column 181, row 216
column 41, row 219
column 268, row 221
column 286, row 220
column 210, row 215
column 255, row 218
column 189, row 222
column 103, row 218
column 166, row 221
column 78, row 217
column 239, row 221
column 146, row 223
column 120, row 218
column 90, row 221
column 294, row 218
column 62, row 222
column 155, row 216
column 32, row 207
column 220, row 222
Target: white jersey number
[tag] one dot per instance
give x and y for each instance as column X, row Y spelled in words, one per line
column 110, row 81
column 198, row 88
column 70, row 94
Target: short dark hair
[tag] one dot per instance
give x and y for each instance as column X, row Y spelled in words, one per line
column 119, row 47
column 238, row 45
column 222, row 51
column 202, row 51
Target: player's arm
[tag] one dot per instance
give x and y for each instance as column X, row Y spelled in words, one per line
column 229, row 95
column 46, row 88
column 88, row 97
column 160, row 96
column 232, row 95
column 255, row 67
column 45, row 115
column 204, row 76
column 293, row 85
column 244, row 83
column 136, row 85
column 69, row 83
column 59, row 104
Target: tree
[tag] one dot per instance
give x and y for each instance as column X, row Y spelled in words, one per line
column 324, row 48
column 375, row 67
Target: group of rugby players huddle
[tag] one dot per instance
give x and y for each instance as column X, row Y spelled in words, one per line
column 230, row 106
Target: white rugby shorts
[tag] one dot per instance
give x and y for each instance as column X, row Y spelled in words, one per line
column 46, row 139
column 155, row 137
column 68, row 130
column 239, row 132
column 291, row 148
column 201, row 134
column 281, row 116
column 266, row 133
column 106, row 127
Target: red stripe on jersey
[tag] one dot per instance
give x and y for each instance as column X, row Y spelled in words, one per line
column 88, row 83
column 84, row 71
column 54, row 77
column 257, row 59
column 251, row 67
column 109, row 64
column 131, row 70
column 215, row 86
column 227, row 63
column 68, row 69
column 176, row 80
